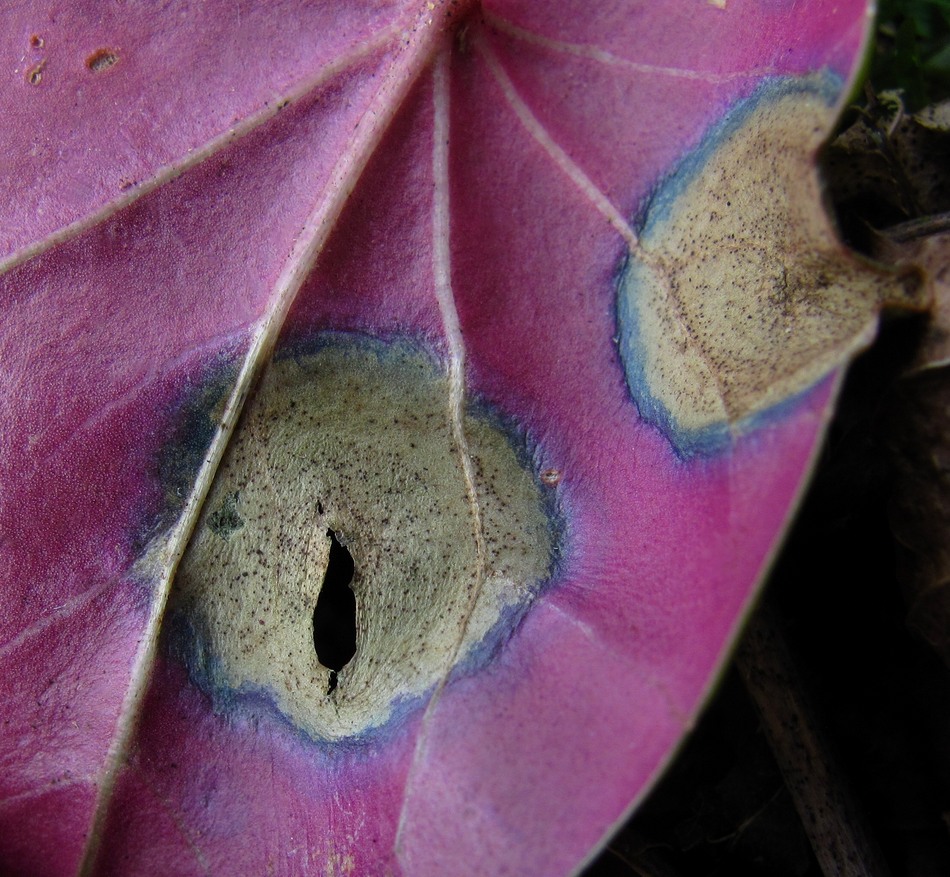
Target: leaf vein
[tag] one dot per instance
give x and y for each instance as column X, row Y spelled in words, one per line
column 442, row 269
column 553, row 150
column 593, row 53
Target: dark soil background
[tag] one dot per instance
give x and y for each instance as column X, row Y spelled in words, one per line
column 879, row 694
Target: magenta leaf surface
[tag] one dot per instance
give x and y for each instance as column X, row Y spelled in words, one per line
column 446, row 285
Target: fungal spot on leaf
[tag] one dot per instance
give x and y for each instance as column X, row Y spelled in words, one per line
column 740, row 295
column 36, row 41
column 334, row 619
column 101, row 60
column 346, row 474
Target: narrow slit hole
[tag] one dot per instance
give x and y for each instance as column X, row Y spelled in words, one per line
column 334, row 618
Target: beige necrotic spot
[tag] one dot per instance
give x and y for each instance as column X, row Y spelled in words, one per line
column 742, row 296
column 356, row 441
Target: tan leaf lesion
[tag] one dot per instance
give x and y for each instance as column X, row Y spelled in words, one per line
column 354, row 440
column 743, row 296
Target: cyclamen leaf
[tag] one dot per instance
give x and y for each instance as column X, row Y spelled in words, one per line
column 484, row 204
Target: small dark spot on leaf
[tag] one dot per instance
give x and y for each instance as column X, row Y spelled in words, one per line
column 36, row 41
column 101, row 60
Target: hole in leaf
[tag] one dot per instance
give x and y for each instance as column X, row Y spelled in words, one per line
column 334, row 619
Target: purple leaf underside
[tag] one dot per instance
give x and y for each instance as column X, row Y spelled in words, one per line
column 445, row 284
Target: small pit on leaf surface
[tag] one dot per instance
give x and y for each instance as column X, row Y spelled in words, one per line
column 102, row 60
column 336, row 569
column 34, row 75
